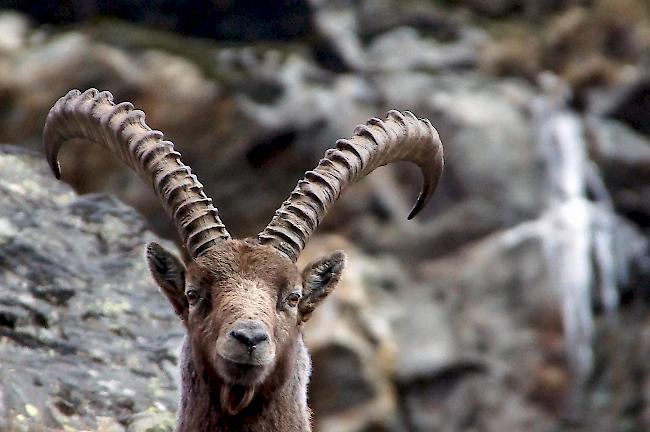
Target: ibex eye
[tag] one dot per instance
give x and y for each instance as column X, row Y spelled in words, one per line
column 192, row 296
column 293, row 299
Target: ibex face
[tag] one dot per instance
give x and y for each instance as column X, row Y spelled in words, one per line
column 242, row 304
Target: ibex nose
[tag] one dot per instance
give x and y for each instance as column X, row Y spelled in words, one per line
column 250, row 336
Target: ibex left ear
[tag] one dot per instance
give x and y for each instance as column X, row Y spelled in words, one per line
column 169, row 273
column 318, row 280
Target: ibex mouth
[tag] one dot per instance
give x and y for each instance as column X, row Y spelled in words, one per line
column 241, row 373
column 246, row 359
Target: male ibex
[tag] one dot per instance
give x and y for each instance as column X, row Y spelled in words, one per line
column 244, row 365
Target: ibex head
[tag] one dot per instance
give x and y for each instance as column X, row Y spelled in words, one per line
column 242, row 301
column 242, row 304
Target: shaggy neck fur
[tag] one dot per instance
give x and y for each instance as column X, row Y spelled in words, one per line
column 278, row 405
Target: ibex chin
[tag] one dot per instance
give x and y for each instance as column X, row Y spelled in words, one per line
column 244, row 365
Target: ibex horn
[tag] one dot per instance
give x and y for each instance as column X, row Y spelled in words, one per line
column 92, row 116
column 377, row 143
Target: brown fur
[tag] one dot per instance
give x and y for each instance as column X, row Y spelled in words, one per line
column 225, row 385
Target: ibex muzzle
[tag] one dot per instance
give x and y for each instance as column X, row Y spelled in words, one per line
column 252, row 335
column 243, row 302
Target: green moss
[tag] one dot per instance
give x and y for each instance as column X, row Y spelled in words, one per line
column 110, row 308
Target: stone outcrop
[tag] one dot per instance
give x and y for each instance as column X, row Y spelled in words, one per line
column 84, row 333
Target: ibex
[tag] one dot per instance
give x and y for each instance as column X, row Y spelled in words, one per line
column 244, row 365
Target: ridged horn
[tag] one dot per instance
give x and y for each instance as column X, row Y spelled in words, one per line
column 377, row 143
column 92, row 116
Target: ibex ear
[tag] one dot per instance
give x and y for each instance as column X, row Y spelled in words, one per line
column 318, row 280
column 169, row 274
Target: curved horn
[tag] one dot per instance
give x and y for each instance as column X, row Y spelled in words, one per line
column 377, row 143
column 94, row 117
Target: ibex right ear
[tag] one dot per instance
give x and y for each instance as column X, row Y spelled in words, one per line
column 318, row 280
column 169, row 274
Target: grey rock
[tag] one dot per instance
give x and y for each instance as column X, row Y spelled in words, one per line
column 13, row 316
column 403, row 49
column 339, row 46
column 152, row 421
column 84, row 332
column 425, row 340
column 495, row 353
column 376, row 17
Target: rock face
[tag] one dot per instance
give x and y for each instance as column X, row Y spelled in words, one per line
column 85, row 338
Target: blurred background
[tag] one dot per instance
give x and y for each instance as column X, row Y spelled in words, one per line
column 516, row 301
